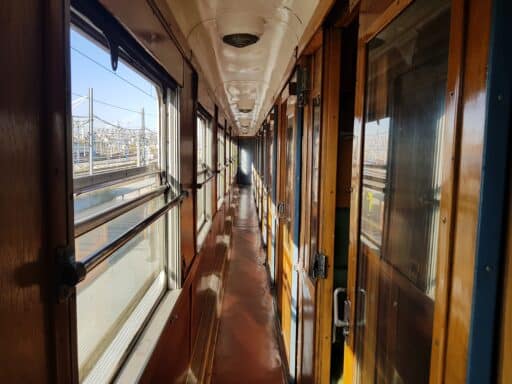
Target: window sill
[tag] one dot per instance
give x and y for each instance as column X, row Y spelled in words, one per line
column 139, row 357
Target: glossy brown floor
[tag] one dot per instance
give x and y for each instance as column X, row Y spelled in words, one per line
column 247, row 350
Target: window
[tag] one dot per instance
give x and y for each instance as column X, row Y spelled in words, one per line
column 404, row 130
column 123, row 176
column 204, row 170
column 221, row 167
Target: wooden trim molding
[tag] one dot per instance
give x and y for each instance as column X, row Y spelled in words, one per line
column 327, row 207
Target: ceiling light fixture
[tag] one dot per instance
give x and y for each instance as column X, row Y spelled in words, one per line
column 245, row 104
column 240, row 29
column 240, row 40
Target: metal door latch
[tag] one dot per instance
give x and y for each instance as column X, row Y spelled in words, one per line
column 319, row 270
column 337, row 322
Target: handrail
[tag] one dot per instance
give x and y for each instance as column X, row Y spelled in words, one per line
column 87, row 224
column 76, row 271
column 200, row 185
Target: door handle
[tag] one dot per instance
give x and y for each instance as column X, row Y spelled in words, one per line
column 336, row 319
column 362, row 297
column 337, row 322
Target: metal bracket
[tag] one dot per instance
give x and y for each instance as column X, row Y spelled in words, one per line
column 319, row 270
column 70, row 272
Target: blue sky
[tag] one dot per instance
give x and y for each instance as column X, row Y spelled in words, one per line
column 126, row 88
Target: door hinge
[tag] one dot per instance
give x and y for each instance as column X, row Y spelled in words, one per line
column 319, row 270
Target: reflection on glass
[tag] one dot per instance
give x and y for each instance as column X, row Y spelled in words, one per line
column 407, row 66
column 108, row 297
column 404, row 125
column 315, row 184
column 95, row 201
column 94, row 240
column 201, row 142
column 220, row 164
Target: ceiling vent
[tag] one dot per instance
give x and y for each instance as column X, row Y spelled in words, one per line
column 240, row 29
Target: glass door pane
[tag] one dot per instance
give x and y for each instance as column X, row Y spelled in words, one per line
column 404, row 126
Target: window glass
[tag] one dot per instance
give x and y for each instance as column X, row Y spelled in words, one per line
column 118, row 158
column 221, row 165
column 114, row 290
column 115, row 114
column 315, row 185
column 403, row 132
column 201, row 144
column 204, row 169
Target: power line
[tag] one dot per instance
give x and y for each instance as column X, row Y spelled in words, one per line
column 119, row 126
column 112, row 72
column 115, row 106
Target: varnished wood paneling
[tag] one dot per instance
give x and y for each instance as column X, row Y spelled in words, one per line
column 170, row 359
column 205, row 299
column 59, row 175
column 468, row 194
column 468, row 55
column 35, row 330
column 448, row 189
column 328, row 168
column 188, row 163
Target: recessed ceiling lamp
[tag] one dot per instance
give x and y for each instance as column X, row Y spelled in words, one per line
column 240, row 29
column 245, row 122
column 245, row 105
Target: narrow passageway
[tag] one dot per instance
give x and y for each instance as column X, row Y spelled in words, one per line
column 247, row 349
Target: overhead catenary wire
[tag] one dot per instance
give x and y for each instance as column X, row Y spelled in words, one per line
column 114, row 106
column 112, row 72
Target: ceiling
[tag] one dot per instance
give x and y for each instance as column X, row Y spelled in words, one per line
column 249, row 76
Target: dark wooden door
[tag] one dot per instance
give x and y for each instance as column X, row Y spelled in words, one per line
column 407, row 66
column 309, row 222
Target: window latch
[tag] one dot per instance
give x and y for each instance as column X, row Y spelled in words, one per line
column 70, row 272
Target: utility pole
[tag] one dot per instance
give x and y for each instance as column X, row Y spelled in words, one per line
column 91, row 131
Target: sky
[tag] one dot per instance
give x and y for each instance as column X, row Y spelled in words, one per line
column 125, row 88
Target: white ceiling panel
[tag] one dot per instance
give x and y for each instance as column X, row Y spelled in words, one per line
column 249, row 76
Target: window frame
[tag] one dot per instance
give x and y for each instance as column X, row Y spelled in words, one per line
column 96, row 24
column 221, row 166
column 204, row 175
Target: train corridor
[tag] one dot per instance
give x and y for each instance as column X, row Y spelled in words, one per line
column 247, row 346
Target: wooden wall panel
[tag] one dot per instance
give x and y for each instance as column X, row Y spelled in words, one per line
column 170, row 360
column 206, row 293
column 188, row 163
column 468, row 194
column 33, row 121
column 204, row 98
column 23, row 316
column 328, row 159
